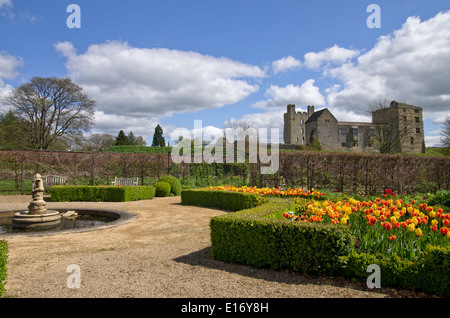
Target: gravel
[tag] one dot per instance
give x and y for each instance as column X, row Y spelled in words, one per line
column 163, row 253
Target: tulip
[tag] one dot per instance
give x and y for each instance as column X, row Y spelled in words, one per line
column 418, row 232
column 392, row 237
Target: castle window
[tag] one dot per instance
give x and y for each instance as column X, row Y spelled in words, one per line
column 344, row 145
column 405, row 130
column 343, row 132
column 355, row 132
column 327, row 121
column 417, row 120
column 417, row 130
column 412, row 140
column 404, row 118
column 404, row 110
column 416, row 111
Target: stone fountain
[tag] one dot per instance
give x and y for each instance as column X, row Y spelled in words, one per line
column 37, row 217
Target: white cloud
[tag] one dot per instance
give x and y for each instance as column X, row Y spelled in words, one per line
column 411, row 65
column 285, row 64
column 5, row 3
column 8, row 66
column 335, row 54
column 433, row 141
column 306, row 94
column 139, row 82
column 8, row 70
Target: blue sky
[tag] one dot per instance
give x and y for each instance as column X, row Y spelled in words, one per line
column 173, row 62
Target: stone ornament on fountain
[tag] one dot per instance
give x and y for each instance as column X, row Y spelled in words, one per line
column 37, row 217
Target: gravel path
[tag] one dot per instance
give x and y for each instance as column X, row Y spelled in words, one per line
column 164, row 253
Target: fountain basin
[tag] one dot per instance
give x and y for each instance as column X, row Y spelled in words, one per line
column 26, row 221
column 87, row 220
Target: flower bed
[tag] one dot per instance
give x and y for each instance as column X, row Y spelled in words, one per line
column 408, row 240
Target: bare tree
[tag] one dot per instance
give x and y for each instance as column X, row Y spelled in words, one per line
column 446, row 132
column 53, row 107
column 386, row 134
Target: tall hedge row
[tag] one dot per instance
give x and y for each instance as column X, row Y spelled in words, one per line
column 101, row 194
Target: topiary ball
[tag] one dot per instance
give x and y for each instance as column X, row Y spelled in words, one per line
column 162, row 189
column 175, row 184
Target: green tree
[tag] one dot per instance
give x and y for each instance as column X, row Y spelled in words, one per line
column 132, row 139
column 13, row 131
column 158, row 139
column 122, row 139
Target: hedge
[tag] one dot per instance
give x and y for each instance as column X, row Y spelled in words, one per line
column 256, row 237
column 429, row 273
column 101, row 194
column 175, row 184
column 162, row 189
column 231, row 201
column 3, row 261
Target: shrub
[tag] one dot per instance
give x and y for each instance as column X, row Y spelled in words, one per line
column 441, row 197
column 430, row 273
column 3, row 261
column 247, row 237
column 101, row 194
column 162, row 189
column 232, row 201
column 175, row 184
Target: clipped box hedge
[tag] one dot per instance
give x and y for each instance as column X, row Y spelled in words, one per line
column 101, row 194
column 255, row 238
column 3, row 261
column 231, row 201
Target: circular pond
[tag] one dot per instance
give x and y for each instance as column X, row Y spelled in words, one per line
column 72, row 220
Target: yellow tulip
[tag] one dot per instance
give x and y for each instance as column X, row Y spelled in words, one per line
column 418, row 232
column 434, row 222
column 432, row 214
column 411, row 227
column 393, row 219
column 415, row 221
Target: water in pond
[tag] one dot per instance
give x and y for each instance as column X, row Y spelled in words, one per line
column 80, row 221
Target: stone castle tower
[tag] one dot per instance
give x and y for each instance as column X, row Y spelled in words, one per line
column 395, row 129
column 294, row 125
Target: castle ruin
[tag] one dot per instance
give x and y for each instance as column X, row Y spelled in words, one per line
column 394, row 129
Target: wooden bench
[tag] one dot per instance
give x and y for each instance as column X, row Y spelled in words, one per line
column 51, row 180
column 125, row 181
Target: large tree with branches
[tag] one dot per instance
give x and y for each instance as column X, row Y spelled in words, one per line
column 53, row 108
